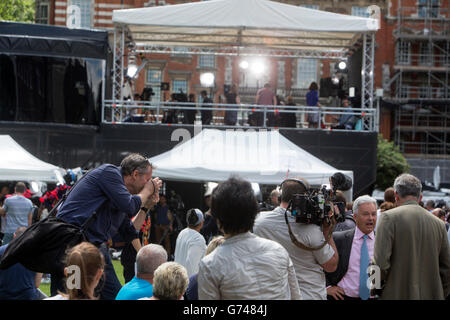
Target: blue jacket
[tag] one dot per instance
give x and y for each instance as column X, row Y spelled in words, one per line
column 102, row 186
column 17, row 282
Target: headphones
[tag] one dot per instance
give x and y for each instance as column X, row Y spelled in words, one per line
column 291, row 179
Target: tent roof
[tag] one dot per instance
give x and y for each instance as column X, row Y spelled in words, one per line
column 45, row 40
column 17, row 164
column 249, row 23
column 265, row 157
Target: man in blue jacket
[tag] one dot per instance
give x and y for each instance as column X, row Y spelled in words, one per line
column 117, row 194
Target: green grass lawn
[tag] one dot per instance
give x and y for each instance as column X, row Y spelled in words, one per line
column 45, row 287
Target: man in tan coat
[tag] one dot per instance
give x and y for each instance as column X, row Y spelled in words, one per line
column 411, row 247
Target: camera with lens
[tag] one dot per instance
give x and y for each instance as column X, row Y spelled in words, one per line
column 314, row 205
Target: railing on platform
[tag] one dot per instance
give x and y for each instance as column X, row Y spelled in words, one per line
column 155, row 113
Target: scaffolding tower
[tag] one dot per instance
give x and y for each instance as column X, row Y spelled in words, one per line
column 421, row 79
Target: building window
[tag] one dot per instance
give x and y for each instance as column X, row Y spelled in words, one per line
column 403, row 92
column 180, row 52
column 426, row 53
column 85, row 13
column 428, row 8
column 310, row 6
column 179, row 85
column 423, row 92
column 228, row 70
column 306, row 72
column 206, row 61
column 360, row 12
column 42, row 10
column 403, row 52
column 281, row 74
column 153, row 80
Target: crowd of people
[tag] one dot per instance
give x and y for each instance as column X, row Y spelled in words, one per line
column 238, row 249
column 186, row 111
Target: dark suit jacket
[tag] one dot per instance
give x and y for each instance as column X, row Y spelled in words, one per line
column 343, row 241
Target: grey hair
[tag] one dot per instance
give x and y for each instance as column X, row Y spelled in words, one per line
column 149, row 258
column 135, row 161
column 361, row 200
column 407, row 185
column 170, row 281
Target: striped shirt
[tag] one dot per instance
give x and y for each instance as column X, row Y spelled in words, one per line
column 17, row 210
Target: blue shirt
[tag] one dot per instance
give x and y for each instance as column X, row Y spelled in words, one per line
column 161, row 215
column 18, row 208
column 103, row 185
column 16, row 282
column 135, row 289
column 192, row 289
column 312, row 97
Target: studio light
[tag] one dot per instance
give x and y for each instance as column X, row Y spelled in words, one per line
column 132, row 70
column 335, row 80
column 244, row 64
column 207, row 79
column 258, row 67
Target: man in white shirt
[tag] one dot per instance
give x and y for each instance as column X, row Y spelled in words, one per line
column 309, row 265
column 191, row 246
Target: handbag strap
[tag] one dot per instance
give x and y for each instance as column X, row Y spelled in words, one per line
column 86, row 224
column 54, row 210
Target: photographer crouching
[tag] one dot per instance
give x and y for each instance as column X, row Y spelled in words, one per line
column 303, row 225
column 105, row 199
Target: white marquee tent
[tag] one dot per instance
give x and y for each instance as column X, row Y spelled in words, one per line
column 17, row 164
column 264, row 157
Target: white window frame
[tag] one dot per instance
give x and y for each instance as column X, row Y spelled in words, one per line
column 91, row 12
column 306, row 74
column 426, row 53
column 403, row 45
column 156, row 85
column 360, row 11
column 177, row 91
column 206, row 58
column 40, row 5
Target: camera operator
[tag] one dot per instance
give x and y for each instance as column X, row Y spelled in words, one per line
column 309, row 265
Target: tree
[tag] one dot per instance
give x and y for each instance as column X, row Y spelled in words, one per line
column 17, row 10
column 390, row 163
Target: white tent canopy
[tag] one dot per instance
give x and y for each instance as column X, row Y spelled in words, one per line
column 243, row 23
column 17, row 164
column 264, row 157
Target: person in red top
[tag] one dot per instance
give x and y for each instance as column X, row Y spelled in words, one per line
column 264, row 97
